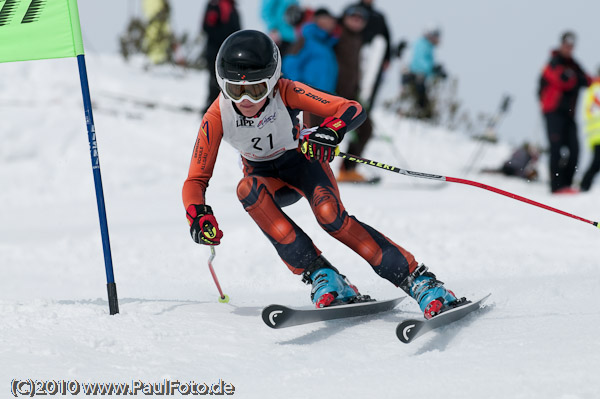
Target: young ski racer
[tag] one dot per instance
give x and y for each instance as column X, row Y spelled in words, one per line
column 257, row 113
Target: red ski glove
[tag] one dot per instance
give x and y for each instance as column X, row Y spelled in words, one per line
column 203, row 225
column 321, row 143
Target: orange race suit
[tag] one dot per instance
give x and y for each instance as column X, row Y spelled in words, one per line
column 277, row 174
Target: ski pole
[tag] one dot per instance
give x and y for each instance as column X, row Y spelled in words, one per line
column 405, row 172
column 222, row 297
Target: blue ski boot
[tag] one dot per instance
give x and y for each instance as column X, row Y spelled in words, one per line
column 328, row 285
column 429, row 292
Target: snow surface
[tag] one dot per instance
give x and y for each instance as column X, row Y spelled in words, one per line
column 537, row 339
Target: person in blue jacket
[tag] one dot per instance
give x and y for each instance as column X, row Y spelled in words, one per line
column 273, row 13
column 422, row 68
column 423, row 61
column 315, row 62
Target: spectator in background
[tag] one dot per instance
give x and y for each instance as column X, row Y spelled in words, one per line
column 297, row 16
column 522, row 163
column 221, row 19
column 561, row 80
column 376, row 25
column 352, row 23
column 158, row 38
column 273, row 13
column 592, row 130
column 315, row 62
column 422, row 69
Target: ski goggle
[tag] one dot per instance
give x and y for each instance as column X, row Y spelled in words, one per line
column 255, row 92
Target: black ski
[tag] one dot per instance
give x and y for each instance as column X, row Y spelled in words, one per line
column 409, row 330
column 279, row 316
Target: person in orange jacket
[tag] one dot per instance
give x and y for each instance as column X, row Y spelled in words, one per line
column 257, row 113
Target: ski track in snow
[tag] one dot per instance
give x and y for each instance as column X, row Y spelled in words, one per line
column 536, row 339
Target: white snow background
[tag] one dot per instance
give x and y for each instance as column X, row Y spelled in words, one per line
column 538, row 338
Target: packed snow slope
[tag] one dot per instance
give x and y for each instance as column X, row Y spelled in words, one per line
column 538, row 338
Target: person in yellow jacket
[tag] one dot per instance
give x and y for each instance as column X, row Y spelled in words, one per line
column 592, row 130
column 158, row 37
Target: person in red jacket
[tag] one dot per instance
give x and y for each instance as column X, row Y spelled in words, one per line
column 257, row 113
column 221, row 19
column 561, row 80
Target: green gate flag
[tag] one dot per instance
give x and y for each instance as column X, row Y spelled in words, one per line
column 39, row 29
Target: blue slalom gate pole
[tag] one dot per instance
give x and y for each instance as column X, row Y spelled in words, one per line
column 113, row 302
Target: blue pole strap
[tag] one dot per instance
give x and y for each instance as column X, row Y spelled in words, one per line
column 113, row 302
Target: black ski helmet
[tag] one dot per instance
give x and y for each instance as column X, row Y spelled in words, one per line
column 248, row 56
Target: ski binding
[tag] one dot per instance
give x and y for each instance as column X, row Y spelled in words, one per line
column 410, row 329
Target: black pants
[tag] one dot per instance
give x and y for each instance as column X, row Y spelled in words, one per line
column 562, row 133
column 418, row 90
column 213, row 85
column 586, row 183
column 358, row 143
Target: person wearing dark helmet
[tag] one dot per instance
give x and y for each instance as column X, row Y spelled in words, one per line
column 257, row 113
column 561, row 80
